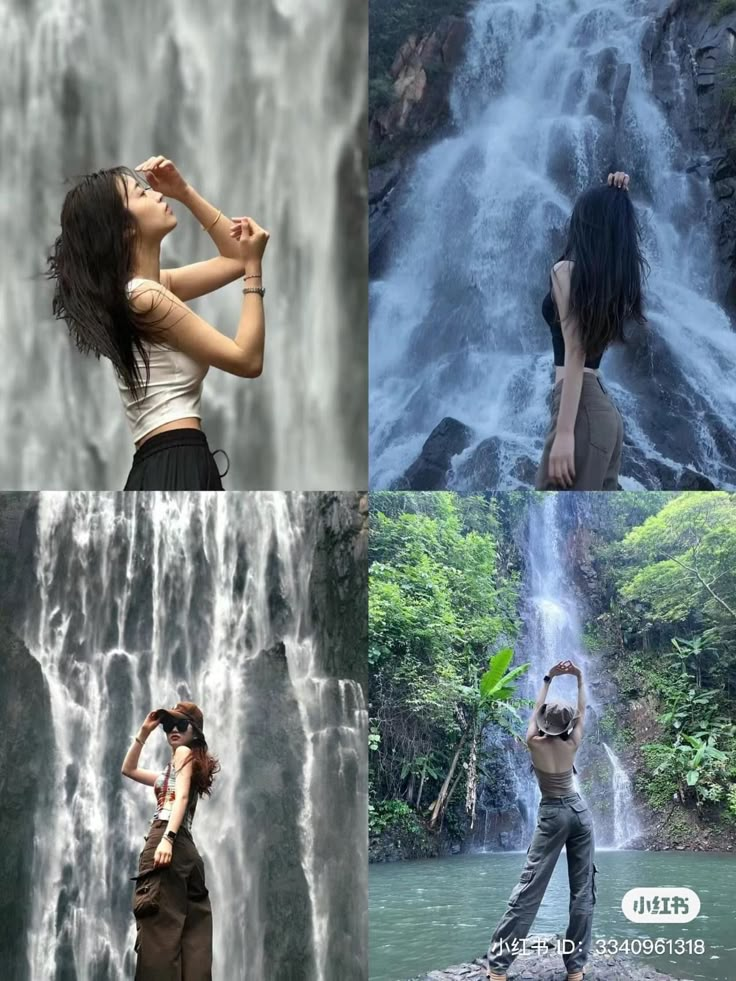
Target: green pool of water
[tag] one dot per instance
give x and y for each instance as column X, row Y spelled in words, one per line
column 427, row 915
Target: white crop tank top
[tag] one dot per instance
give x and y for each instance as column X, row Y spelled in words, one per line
column 174, row 389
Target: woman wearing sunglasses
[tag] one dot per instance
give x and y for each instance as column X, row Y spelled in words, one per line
column 171, row 903
column 119, row 303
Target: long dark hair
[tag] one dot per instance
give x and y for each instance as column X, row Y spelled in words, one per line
column 204, row 767
column 91, row 263
column 604, row 242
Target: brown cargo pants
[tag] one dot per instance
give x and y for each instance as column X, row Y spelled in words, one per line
column 173, row 914
column 599, row 436
column 560, row 821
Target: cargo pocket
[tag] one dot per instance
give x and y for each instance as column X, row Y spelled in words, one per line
column 147, row 895
column 523, row 884
column 581, row 809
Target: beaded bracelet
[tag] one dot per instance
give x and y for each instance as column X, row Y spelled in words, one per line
column 255, row 289
column 219, row 215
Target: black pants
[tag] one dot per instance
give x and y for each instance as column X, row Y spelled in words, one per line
column 179, row 459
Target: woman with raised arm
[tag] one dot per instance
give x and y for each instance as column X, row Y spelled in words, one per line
column 119, row 303
column 171, row 903
column 596, row 286
column 553, row 736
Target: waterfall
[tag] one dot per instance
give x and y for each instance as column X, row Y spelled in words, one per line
column 625, row 822
column 553, row 632
column 456, row 324
column 263, row 109
column 137, row 601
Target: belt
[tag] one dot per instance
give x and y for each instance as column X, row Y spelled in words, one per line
column 561, row 800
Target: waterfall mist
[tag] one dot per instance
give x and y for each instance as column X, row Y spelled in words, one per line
column 262, row 106
column 552, row 632
column 252, row 605
column 549, row 99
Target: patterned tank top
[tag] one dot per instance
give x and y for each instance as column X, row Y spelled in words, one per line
column 165, row 790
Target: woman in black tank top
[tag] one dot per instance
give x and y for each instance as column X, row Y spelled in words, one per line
column 553, row 736
column 595, row 287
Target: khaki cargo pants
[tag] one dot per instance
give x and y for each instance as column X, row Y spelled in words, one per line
column 561, row 821
column 599, row 437
column 173, row 913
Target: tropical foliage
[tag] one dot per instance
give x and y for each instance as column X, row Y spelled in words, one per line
column 445, row 608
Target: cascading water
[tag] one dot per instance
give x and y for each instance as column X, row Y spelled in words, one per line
column 625, row 823
column 552, row 632
column 543, row 107
column 142, row 600
column 262, row 107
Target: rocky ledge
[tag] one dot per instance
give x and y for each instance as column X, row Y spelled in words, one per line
column 433, row 468
column 549, row 967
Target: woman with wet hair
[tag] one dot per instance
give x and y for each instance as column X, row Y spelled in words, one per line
column 119, row 303
column 596, row 286
column 553, row 738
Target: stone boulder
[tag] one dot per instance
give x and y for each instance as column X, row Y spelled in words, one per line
column 431, row 468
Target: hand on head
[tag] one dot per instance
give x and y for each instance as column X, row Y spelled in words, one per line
column 151, row 721
column 619, row 179
column 162, row 174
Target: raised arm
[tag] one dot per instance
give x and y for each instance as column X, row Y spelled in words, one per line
column 531, row 729
column 579, row 724
column 174, row 322
column 197, row 278
column 562, row 454
column 130, row 766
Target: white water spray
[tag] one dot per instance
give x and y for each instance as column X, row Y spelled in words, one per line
column 456, row 326
column 261, row 105
column 146, row 599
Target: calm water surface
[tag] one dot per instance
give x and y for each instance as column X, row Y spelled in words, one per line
column 427, row 915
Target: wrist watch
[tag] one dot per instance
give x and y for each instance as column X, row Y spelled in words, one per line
column 547, row 678
column 170, row 836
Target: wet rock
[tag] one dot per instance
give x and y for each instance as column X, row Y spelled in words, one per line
column 695, row 88
column 482, row 468
column 430, row 469
column 382, row 180
column 421, row 73
column 338, row 585
column 27, row 755
column 691, row 480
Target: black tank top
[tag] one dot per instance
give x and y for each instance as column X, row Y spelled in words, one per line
column 549, row 312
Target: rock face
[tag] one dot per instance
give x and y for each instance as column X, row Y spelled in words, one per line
column 430, row 469
column 421, row 74
column 483, row 467
column 25, row 776
column 549, row 967
column 263, row 761
column 338, row 584
column 692, row 60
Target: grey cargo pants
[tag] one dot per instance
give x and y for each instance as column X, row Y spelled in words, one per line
column 560, row 821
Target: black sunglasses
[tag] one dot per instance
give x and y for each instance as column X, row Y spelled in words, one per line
column 180, row 725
